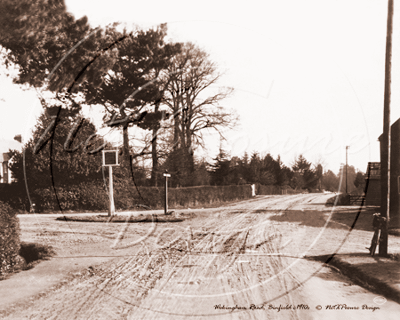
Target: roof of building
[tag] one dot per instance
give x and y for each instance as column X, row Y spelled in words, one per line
column 6, row 146
column 393, row 127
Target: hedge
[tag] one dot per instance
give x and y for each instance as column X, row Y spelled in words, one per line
column 342, row 200
column 9, row 239
column 14, row 195
column 194, row 196
column 94, row 197
column 273, row 190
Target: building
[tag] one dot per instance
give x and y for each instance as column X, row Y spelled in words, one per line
column 5, row 147
column 394, row 172
column 373, row 196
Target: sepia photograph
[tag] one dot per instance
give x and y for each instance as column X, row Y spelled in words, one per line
column 199, row 160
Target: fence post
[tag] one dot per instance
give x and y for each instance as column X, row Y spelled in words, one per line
column 253, row 190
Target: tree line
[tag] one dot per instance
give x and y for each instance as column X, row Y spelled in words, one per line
column 54, row 166
column 135, row 78
column 139, row 80
column 267, row 170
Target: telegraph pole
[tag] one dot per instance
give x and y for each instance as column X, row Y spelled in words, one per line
column 385, row 147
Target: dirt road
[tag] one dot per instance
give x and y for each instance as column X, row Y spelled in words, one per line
column 243, row 261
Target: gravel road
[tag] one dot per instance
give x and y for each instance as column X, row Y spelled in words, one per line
column 242, row 261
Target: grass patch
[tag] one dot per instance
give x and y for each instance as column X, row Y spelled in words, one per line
column 308, row 218
column 34, row 252
column 125, row 218
column 342, row 200
column 29, row 255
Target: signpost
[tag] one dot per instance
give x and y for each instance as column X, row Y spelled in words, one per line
column 110, row 159
column 166, row 175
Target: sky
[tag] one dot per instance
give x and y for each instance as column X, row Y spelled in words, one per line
column 308, row 76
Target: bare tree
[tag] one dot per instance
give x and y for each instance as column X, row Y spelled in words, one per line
column 193, row 97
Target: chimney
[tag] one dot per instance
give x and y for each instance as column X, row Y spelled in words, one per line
column 18, row 138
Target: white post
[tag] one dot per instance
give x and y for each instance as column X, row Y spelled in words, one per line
column 166, row 175
column 112, row 207
column 166, row 195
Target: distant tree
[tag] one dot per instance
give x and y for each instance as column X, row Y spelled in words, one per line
column 237, row 172
column 201, row 175
column 267, row 178
column 330, row 181
column 351, row 176
column 243, row 170
column 319, row 171
column 255, row 167
column 221, row 169
column 304, row 176
column 284, row 176
column 245, row 159
column 301, row 164
column 359, row 181
column 177, row 168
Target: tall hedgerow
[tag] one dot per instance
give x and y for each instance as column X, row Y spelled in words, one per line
column 9, row 239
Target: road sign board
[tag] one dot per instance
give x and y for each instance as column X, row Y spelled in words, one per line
column 110, row 158
column 167, row 175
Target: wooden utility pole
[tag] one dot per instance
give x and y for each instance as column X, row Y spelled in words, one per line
column 385, row 143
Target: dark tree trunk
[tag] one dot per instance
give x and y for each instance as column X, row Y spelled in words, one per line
column 154, row 156
column 125, row 163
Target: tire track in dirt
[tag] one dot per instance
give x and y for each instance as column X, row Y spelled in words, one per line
column 232, row 260
column 238, row 284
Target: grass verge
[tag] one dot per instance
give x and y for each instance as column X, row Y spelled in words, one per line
column 123, row 218
column 32, row 253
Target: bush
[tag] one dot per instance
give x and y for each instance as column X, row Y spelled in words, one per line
column 31, row 252
column 342, row 200
column 14, row 195
column 9, row 239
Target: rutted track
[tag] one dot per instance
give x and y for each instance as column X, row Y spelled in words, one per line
column 233, row 257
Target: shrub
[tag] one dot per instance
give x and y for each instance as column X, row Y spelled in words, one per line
column 14, row 195
column 342, row 200
column 32, row 252
column 9, row 239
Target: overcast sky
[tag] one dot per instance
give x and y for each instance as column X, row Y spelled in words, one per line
column 308, row 75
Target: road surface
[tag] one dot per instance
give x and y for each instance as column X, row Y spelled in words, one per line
column 242, row 261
